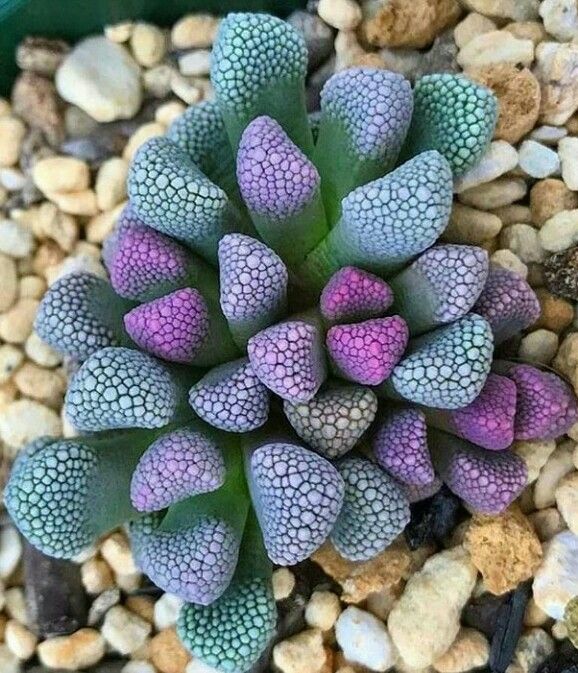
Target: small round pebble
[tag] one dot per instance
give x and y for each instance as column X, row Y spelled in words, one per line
column 322, row 610
column 364, row 640
column 283, row 583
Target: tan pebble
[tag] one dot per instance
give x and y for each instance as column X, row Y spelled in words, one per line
column 141, row 135
column 167, row 113
column 11, row 358
column 143, row 606
column 471, row 26
column 505, row 549
column 40, row 384
column 557, row 313
column 496, row 47
column 148, row 44
column 110, row 186
column 534, row 615
column 157, row 81
column 524, row 241
column 509, row 260
column 469, row 650
column 559, row 630
column 61, row 174
column 513, row 213
column 86, row 249
column 8, row 282
column 283, row 583
column 96, row 576
column 3, row 195
column 426, row 620
column 358, row 580
column 119, row 32
column 16, row 323
column 12, row 132
column 117, row 553
column 194, row 31
column 535, row 454
column 494, row 194
column 20, row 640
column 572, row 125
column 9, row 662
column 80, row 650
column 167, row 652
column 31, row 287
column 124, row 631
column 76, row 203
column 8, row 393
column 40, row 352
column 559, row 464
column 381, row 603
column 23, row 420
column 5, row 107
column 48, row 222
column 188, row 89
column 100, row 226
column 340, row 14
column 518, row 94
column 539, row 346
column 128, row 582
column 567, row 500
column 550, row 197
column 322, row 610
column 528, row 30
column 397, row 24
column 534, row 646
column 472, row 226
column 16, row 604
column 302, row 653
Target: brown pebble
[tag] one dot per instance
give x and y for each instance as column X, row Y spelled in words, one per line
column 143, row 606
column 518, row 93
column 557, row 313
column 504, row 548
column 35, row 99
column 397, row 23
column 47, row 256
column 358, row 580
column 41, row 55
column 549, row 197
column 167, row 652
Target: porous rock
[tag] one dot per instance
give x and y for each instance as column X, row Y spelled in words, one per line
column 556, row 70
column 469, row 650
column 505, row 549
column 518, row 94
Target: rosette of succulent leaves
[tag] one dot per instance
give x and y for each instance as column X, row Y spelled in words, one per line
column 283, row 353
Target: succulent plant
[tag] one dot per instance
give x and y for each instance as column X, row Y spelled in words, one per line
column 283, row 354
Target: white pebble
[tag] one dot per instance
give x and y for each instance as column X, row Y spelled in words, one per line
column 166, row 611
column 560, row 231
column 24, row 420
column 568, row 151
column 10, row 551
column 556, row 580
column 364, row 639
column 101, row 78
column 509, row 260
column 16, row 240
column 549, row 135
column 560, row 18
column 537, row 160
column 12, row 179
column 524, row 241
column 196, row 63
column 500, row 158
